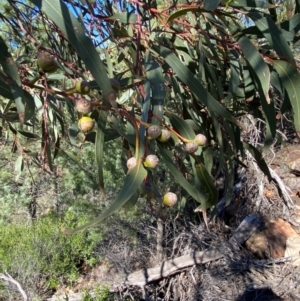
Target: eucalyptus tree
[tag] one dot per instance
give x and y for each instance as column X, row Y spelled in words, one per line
column 136, row 70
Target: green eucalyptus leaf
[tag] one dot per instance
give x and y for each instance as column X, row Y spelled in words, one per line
column 73, row 132
column 49, row 156
column 57, row 147
column 181, row 126
column 131, row 202
column 207, row 183
column 199, row 194
column 5, row 90
column 28, row 134
column 19, row 166
column 13, row 79
column 261, row 73
column 74, row 31
column 248, row 3
column 290, row 80
column 99, row 153
column 274, row 36
column 75, row 160
column 193, row 83
column 183, row 12
column 259, row 159
column 124, row 17
column 132, row 182
column 211, row 4
column 155, row 76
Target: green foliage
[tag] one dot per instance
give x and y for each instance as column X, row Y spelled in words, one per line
column 187, row 67
column 40, row 250
column 99, row 294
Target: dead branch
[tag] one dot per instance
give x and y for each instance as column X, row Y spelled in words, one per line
column 8, row 278
column 173, row 266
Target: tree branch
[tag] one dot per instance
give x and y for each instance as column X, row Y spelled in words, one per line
column 8, row 278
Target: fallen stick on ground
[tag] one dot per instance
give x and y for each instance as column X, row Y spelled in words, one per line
column 173, row 266
column 8, row 278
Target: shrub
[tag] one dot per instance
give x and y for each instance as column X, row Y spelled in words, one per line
column 41, row 257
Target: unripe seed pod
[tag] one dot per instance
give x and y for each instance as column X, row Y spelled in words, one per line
column 153, row 132
column 200, row 139
column 83, row 87
column 146, row 188
column 86, row 124
column 131, row 162
column 165, row 135
column 83, row 106
column 46, row 62
column 191, row 147
column 170, row 199
column 151, row 161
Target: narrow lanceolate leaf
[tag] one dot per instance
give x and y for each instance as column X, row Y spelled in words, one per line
column 199, row 194
column 259, row 67
column 184, row 11
column 261, row 73
column 48, row 152
column 76, row 160
column 290, row 79
column 273, row 35
column 156, row 78
column 248, row 3
column 99, row 150
column 74, row 31
column 181, row 126
column 131, row 202
column 259, row 159
column 19, row 166
column 12, row 79
column 5, row 90
column 188, row 78
column 211, row 4
column 146, row 105
column 132, row 182
column 207, row 183
column 124, row 18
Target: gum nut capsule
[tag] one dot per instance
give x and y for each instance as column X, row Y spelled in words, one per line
column 83, row 106
column 86, row 124
column 83, row 87
column 165, row 135
column 146, row 188
column 46, row 62
column 153, row 132
column 131, row 162
column 151, row 161
column 191, row 147
column 170, row 199
column 200, row 139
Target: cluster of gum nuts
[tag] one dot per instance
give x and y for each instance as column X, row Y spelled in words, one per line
column 151, row 161
column 48, row 64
